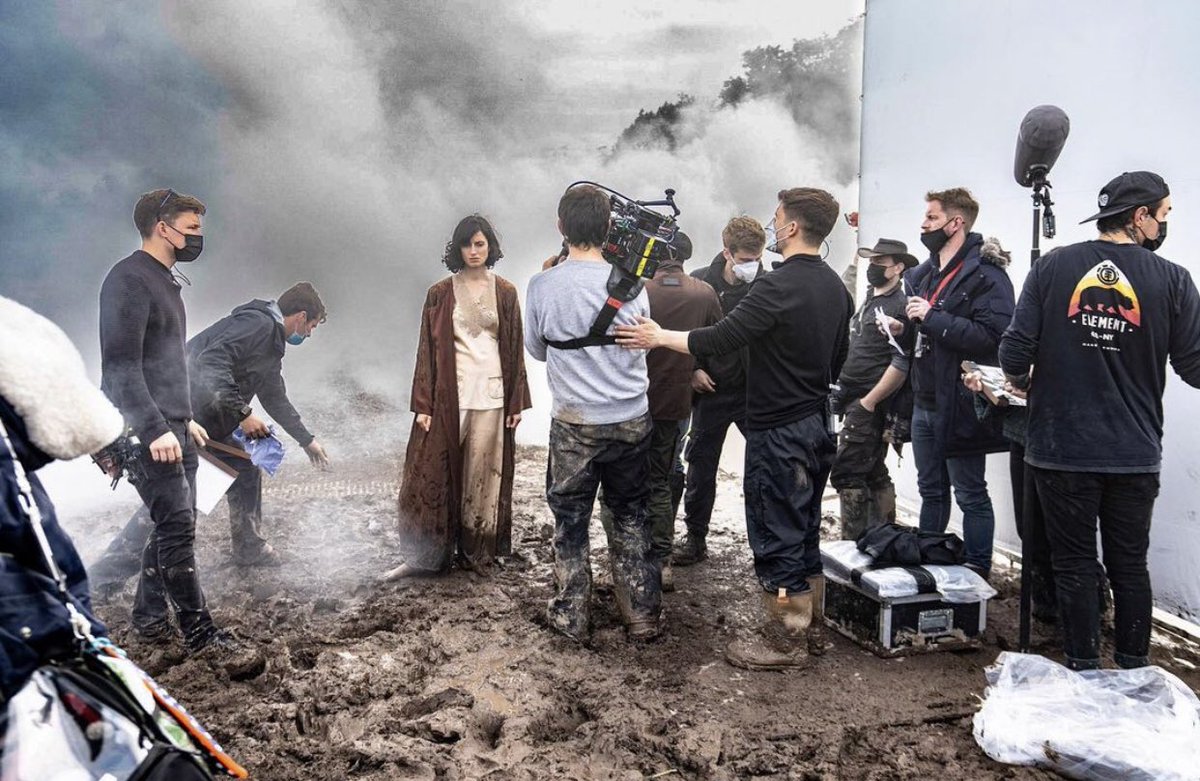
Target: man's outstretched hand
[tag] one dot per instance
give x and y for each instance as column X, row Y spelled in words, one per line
column 646, row 335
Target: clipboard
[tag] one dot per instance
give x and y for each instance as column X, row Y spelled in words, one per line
column 213, row 479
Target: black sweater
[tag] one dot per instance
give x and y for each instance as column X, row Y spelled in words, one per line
column 1098, row 321
column 142, row 329
column 795, row 322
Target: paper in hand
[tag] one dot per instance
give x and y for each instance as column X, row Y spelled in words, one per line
column 884, row 322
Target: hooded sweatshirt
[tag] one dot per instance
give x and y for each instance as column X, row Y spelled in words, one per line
column 237, row 358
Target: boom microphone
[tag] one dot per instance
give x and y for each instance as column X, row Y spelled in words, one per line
column 1040, row 140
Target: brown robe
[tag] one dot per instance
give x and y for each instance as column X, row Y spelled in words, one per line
column 432, row 480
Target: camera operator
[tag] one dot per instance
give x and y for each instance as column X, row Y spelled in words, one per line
column 144, row 373
column 719, row 384
column 873, row 373
column 1100, row 319
column 600, row 425
column 230, row 363
column 795, row 321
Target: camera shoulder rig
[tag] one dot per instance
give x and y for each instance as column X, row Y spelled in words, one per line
column 621, row 289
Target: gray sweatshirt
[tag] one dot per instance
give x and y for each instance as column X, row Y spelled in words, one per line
column 592, row 385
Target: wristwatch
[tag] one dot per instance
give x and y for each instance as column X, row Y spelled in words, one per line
column 244, row 411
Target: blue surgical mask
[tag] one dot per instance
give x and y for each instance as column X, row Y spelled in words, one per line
column 296, row 339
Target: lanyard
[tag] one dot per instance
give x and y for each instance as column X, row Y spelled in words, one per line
column 945, row 281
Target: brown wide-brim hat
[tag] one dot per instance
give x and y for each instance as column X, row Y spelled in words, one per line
column 892, row 247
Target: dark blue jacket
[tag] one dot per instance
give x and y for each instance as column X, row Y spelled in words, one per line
column 235, row 359
column 965, row 324
column 34, row 624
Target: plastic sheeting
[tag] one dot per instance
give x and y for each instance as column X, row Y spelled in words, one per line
column 1102, row 725
column 956, row 584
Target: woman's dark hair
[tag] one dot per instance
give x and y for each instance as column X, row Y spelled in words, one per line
column 468, row 227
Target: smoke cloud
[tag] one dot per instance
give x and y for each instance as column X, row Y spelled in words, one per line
column 342, row 143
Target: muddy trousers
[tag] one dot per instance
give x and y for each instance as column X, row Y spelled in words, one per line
column 860, row 473
column 786, row 470
column 712, row 416
column 584, row 458
column 481, row 441
column 660, row 509
column 123, row 557
column 169, row 558
column 1072, row 502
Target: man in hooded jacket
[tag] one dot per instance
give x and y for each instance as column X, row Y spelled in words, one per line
column 230, row 363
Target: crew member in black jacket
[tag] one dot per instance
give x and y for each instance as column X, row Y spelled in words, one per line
column 719, row 385
column 229, row 363
column 960, row 302
column 1095, row 326
column 795, row 322
column 144, row 373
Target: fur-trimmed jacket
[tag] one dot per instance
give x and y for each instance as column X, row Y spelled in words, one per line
column 50, row 410
column 966, row 322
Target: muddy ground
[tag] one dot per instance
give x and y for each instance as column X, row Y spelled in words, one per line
column 458, row 677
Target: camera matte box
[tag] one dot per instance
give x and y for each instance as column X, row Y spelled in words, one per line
column 898, row 626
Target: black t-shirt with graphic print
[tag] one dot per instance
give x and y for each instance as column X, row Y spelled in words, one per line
column 1098, row 321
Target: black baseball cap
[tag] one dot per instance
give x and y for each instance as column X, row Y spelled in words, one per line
column 1130, row 189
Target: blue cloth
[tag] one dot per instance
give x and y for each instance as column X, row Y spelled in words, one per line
column 265, row 453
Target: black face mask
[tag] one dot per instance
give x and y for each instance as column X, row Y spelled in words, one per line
column 193, row 245
column 935, row 239
column 1154, row 244
column 877, row 275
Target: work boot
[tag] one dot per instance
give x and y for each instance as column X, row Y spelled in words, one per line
column 668, row 577
column 855, row 510
column 239, row 660
column 883, row 505
column 266, row 556
column 183, row 586
column 818, row 635
column 158, row 632
column 782, row 643
column 690, row 550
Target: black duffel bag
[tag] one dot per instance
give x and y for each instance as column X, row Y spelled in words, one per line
column 903, row 546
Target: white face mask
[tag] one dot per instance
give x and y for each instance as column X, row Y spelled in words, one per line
column 745, row 272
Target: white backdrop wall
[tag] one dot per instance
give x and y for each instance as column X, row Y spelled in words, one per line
column 945, row 85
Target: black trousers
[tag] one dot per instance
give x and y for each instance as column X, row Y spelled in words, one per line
column 123, row 557
column 786, row 471
column 169, row 558
column 1031, row 529
column 1072, row 502
column 712, row 415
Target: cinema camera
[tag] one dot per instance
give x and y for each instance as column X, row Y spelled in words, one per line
column 639, row 240
column 122, row 458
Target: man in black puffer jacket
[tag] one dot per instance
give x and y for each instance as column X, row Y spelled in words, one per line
column 961, row 300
